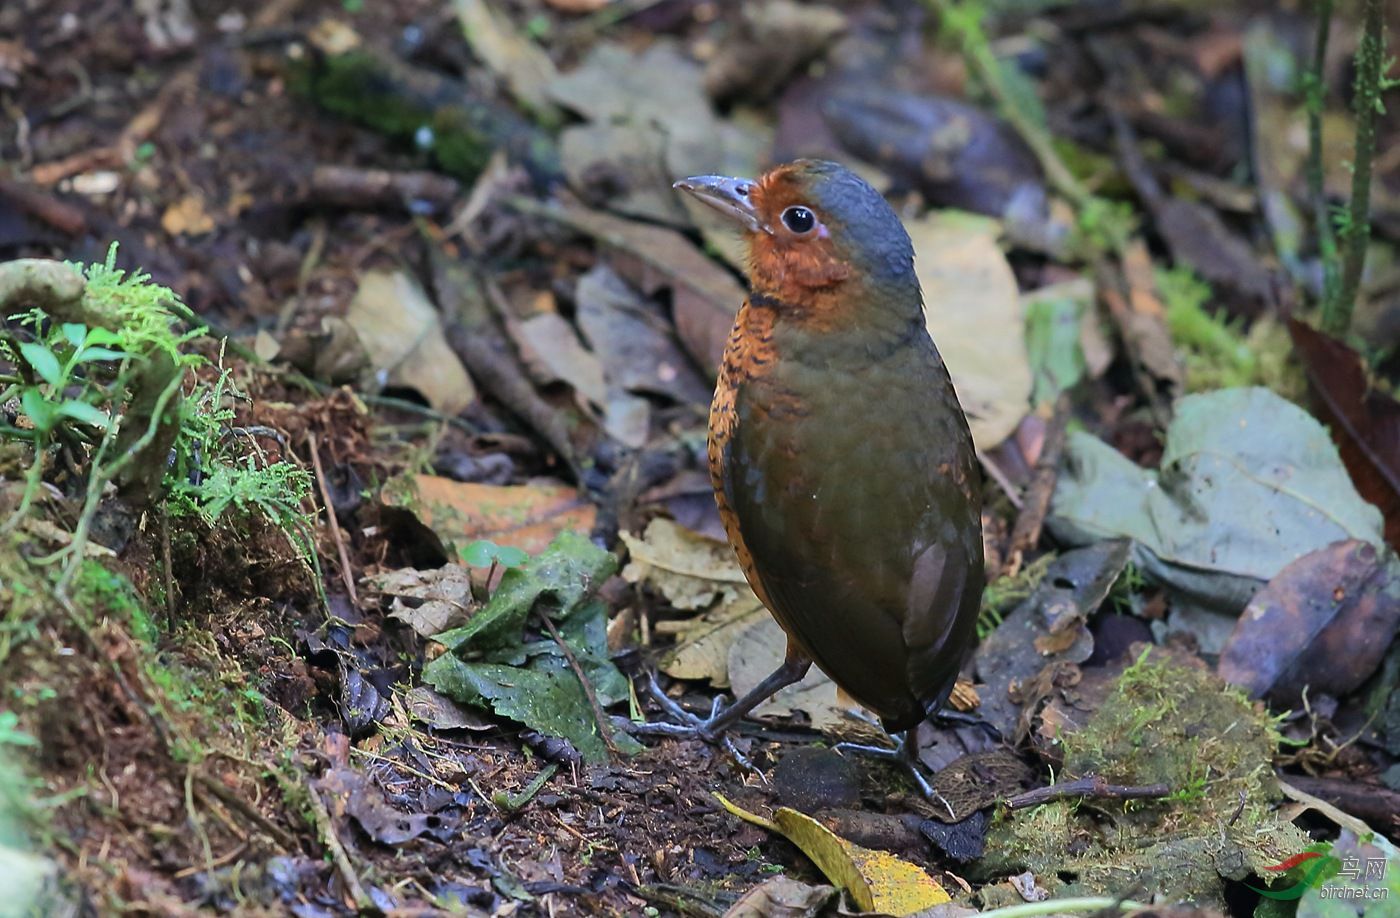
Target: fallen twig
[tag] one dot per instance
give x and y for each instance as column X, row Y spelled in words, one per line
column 342, row 860
column 345, row 572
column 1088, row 786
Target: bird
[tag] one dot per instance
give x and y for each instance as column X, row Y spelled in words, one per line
column 841, row 459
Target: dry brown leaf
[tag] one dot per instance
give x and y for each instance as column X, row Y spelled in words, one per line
column 975, row 318
column 188, row 217
column 526, row 516
column 402, row 333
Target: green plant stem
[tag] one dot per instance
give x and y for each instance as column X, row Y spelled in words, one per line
column 1370, row 61
column 987, row 70
column 1316, row 92
column 32, row 480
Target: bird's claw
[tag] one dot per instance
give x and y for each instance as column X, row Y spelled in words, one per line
column 689, row 726
column 903, row 752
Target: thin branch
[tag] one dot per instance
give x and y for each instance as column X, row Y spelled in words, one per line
column 345, row 572
column 1090, row 786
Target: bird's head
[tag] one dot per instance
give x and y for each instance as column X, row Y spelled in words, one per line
column 819, row 236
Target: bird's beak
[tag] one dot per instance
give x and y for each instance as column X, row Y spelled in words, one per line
column 729, row 196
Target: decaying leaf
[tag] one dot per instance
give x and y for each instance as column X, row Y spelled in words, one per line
column 523, row 65
column 551, row 349
column 402, row 333
column 956, row 154
column 1045, row 632
column 634, row 340
column 428, row 601
column 490, row 665
column 975, row 317
column 705, row 296
column 876, row 881
column 524, row 516
column 771, row 42
column 1365, row 421
column 1248, row 482
column 691, row 571
column 1323, row 624
column 759, row 649
column 442, row 713
column 783, row 897
column 694, row 572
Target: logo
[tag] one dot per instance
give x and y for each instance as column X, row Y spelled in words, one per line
column 1310, row 876
column 1322, row 867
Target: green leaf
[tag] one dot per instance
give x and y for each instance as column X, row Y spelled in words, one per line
column 43, row 361
column 564, row 573
column 75, row 332
column 102, row 336
column 84, row 413
column 479, row 553
column 545, row 694
column 1052, row 340
column 491, row 666
column 88, row 354
column 1248, row 482
column 510, row 556
column 39, row 409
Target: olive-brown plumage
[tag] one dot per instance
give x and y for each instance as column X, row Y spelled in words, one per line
column 841, row 460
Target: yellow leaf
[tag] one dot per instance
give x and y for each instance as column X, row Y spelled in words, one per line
column 877, row 881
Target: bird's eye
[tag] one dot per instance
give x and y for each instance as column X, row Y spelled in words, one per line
column 799, row 219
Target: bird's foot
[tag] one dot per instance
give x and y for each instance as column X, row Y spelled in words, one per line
column 686, row 725
column 905, row 753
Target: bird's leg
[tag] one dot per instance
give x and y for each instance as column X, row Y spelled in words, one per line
column 906, row 752
column 794, row 668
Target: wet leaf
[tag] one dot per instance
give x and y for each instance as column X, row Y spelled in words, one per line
column 1248, row 482
column 1323, row 624
column 1365, row 421
column 875, row 880
column 401, row 330
column 526, row 516
column 975, row 317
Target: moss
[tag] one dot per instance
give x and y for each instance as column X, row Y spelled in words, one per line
column 413, row 106
column 1161, row 722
